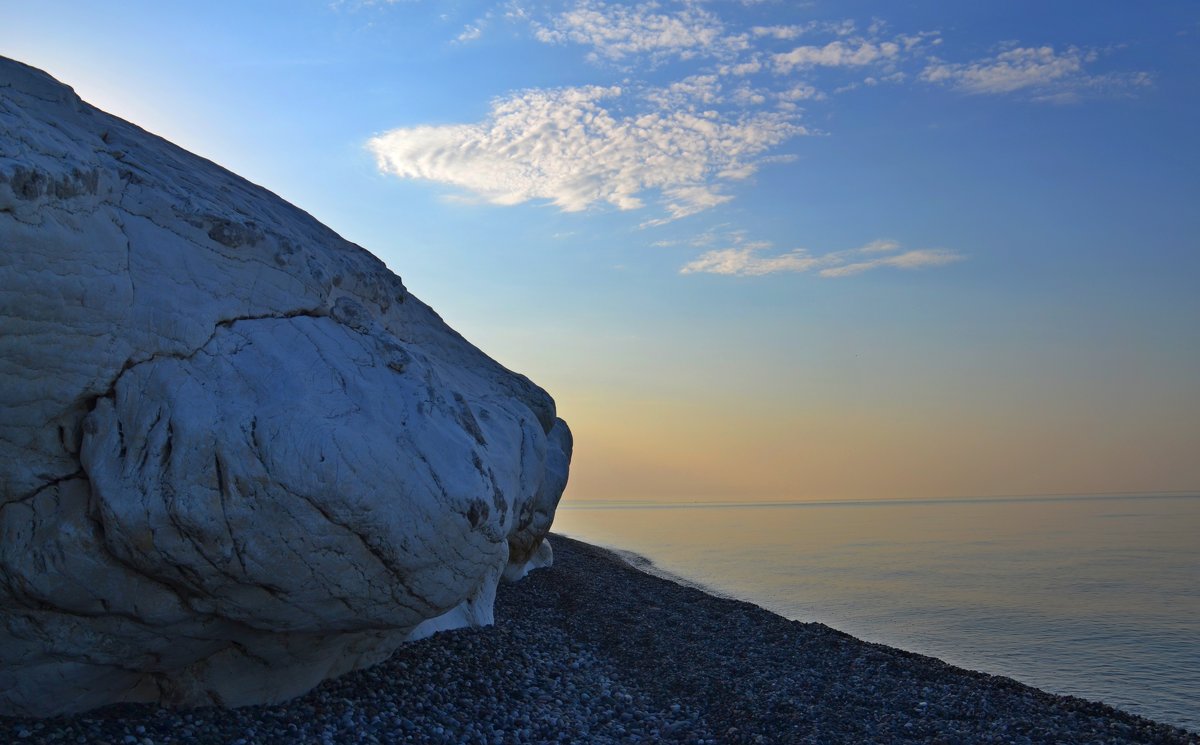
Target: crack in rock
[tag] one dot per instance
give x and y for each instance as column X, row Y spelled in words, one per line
column 237, row 456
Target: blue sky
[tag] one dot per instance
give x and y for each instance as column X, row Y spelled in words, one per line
column 761, row 249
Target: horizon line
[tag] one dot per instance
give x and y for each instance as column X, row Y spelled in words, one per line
column 585, row 504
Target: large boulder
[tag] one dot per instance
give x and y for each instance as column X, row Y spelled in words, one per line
column 236, row 456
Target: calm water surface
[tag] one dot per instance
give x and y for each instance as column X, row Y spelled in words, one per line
column 1094, row 597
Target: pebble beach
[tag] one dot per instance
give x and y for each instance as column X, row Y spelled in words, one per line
column 593, row 650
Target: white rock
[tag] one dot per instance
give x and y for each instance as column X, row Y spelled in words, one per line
column 236, row 456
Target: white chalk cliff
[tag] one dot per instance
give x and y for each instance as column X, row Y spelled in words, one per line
column 236, row 456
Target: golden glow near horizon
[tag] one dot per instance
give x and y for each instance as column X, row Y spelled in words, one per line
column 697, row 452
column 662, row 431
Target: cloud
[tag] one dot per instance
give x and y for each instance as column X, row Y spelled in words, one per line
column 688, row 93
column 747, row 262
column 836, row 54
column 1023, row 67
column 800, row 92
column 617, row 31
column 715, row 115
column 748, row 67
column 795, row 31
column 747, row 259
column 569, row 146
column 784, row 33
column 470, row 33
column 1051, row 75
column 908, row 260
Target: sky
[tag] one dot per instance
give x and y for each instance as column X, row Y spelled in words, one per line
column 756, row 250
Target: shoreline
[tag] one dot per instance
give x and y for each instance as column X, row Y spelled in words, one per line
column 593, row 649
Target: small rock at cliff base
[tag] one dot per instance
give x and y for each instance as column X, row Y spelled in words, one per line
column 237, row 456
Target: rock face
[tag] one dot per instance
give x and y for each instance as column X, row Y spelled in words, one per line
column 236, row 456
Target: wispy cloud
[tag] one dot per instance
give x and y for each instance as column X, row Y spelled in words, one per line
column 616, row 31
column 795, row 31
column 918, row 259
column 752, row 259
column 1042, row 71
column 725, row 98
column 471, row 32
column 836, row 54
column 571, row 147
column 693, row 91
column 785, row 33
column 648, row 33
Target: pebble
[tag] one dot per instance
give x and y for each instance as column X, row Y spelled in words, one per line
column 592, row 650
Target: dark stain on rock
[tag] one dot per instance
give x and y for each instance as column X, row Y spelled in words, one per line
column 477, row 512
column 233, row 234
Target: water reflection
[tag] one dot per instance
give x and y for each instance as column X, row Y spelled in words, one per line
column 1095, row 597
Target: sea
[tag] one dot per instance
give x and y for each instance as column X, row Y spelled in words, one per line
column 1089, row 596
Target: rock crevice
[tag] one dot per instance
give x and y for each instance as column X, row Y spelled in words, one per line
column 237, row 457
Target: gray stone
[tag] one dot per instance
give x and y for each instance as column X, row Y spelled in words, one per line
column 236, row 456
